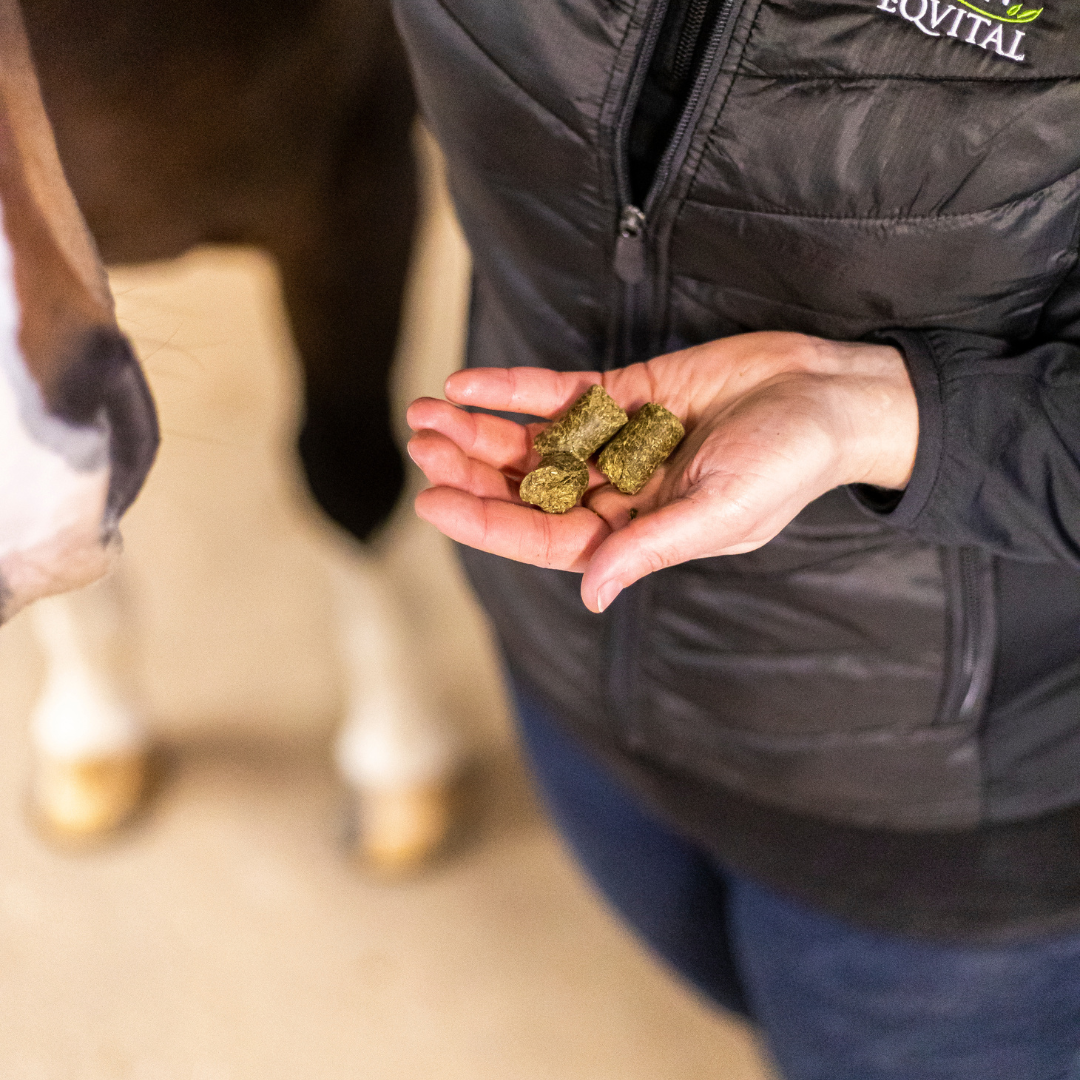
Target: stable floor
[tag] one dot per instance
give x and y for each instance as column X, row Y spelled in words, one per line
column 223, row 936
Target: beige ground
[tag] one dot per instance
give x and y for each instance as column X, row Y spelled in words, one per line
column 224, row 938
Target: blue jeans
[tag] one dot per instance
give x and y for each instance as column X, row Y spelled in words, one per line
column 831, row 1001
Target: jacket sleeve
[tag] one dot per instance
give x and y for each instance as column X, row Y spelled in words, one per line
column 998, row 461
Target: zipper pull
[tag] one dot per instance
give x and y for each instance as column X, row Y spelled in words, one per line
column 630, row 246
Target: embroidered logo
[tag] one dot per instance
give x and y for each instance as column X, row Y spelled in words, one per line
column 984, row 28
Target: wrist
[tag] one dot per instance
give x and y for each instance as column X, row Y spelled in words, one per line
column 879, row 422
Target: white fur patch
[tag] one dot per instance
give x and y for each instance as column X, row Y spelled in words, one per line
column 393, row 736
column 54, row 478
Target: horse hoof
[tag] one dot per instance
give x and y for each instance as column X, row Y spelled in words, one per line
column 397, row 830
column 79, row 800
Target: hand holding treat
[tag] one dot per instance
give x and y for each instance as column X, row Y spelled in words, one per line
column 773, row 420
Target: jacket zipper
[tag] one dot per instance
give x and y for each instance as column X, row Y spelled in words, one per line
column 688, row 36
column 629, row 261
column 973, row 638
column 630, row 608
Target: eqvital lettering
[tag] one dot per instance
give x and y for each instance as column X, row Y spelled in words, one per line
column 936, row 19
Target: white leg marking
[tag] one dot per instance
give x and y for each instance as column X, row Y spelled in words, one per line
column 392, row 735
column 80, row 714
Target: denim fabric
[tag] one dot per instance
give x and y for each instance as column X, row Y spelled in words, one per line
column 667, row 890
column 832, row 1002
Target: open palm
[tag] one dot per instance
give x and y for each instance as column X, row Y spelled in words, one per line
column 773, row 420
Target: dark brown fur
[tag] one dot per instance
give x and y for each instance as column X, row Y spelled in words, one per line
column 283, row 123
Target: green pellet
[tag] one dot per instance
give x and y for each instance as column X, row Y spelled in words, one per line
column 584, row 428
column 640, row 448
column 557, row 484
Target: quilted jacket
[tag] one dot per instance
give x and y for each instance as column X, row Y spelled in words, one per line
column 900, row 673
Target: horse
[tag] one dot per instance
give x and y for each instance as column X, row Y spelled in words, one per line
column 285, row 125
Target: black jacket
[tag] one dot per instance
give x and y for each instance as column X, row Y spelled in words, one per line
column 883, row 680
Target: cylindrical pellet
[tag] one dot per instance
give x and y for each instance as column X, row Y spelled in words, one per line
column 557, row 484
column 584, row 428
column 645, row 443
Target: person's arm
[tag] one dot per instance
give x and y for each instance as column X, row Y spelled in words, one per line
column 998, row 464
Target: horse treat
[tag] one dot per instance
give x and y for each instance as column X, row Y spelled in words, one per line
column 640, row 447
column 558, row 484
column 635, row 448
column 584, row 428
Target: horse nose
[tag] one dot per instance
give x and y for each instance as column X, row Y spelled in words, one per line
column 103, row 381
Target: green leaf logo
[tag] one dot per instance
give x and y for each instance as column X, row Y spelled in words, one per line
column 1015, row 14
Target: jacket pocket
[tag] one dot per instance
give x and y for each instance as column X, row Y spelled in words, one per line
column 972, row 636
column 848, row 686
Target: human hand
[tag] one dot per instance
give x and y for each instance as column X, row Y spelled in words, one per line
column 773, row 420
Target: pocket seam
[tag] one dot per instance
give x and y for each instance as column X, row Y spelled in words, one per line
column 929, row 220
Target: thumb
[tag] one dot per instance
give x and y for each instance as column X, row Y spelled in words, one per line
column 691, row 527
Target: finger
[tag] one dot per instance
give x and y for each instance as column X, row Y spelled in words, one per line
column 558, row 541
column 691, row 527
column 536, row 391
column 500, row 443
column 445, row 465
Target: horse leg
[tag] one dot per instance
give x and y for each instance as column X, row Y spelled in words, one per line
column 343, row 279
column 90, row 750
column 397, row 755
column 343, row 268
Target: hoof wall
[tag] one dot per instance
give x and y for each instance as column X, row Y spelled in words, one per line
column 399, row 830
column 86, row 799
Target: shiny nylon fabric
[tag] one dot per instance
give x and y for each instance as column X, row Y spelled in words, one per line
column 847, row 175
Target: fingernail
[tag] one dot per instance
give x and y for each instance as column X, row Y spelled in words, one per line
column 448, row 385
column 605, row 595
